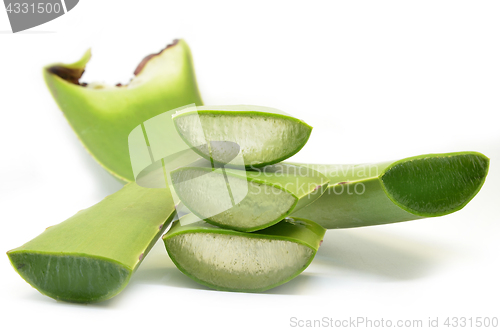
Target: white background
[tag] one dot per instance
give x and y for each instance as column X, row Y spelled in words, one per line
column 378, row 80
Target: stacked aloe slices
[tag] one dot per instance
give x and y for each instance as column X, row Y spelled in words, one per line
column 412, row 188
column 252, row 225
column 239, row 236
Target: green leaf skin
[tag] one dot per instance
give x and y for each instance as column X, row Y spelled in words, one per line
column 91, row 256
column 103, row 116
column 412, row 188
column 247, row 200
column 265, row 135
column 238, row 261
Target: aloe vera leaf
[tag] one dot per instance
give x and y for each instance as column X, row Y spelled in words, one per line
column 247, row 200
column 265, row 135
column 230, row 260
column 103, row 116
column 412, row 188
column 91, row 256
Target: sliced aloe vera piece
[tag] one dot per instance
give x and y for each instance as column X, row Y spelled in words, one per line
column 238, row 261
column 408, row 189
column 103, row 116
column 247, row 200
column 265, row 135
column 92, row 255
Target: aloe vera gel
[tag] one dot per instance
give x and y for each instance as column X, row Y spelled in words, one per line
column 247, row 200
column 236, row 261
column 265, row 135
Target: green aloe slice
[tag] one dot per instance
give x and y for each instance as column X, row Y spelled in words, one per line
column 408, row 189
column 265, row 135
column 247, row 200
column 92, row 255
column 238, row 261
column 103, row 116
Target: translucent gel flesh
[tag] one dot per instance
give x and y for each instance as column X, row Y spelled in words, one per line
column 236, row 262
column 262, row 139
column 207, row 195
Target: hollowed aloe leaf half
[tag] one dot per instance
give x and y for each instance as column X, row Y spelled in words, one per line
column 239, row 261
column 92, row 255
column 102, row 116
column 412, row 188
column 247, row 200
column 265, row 135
